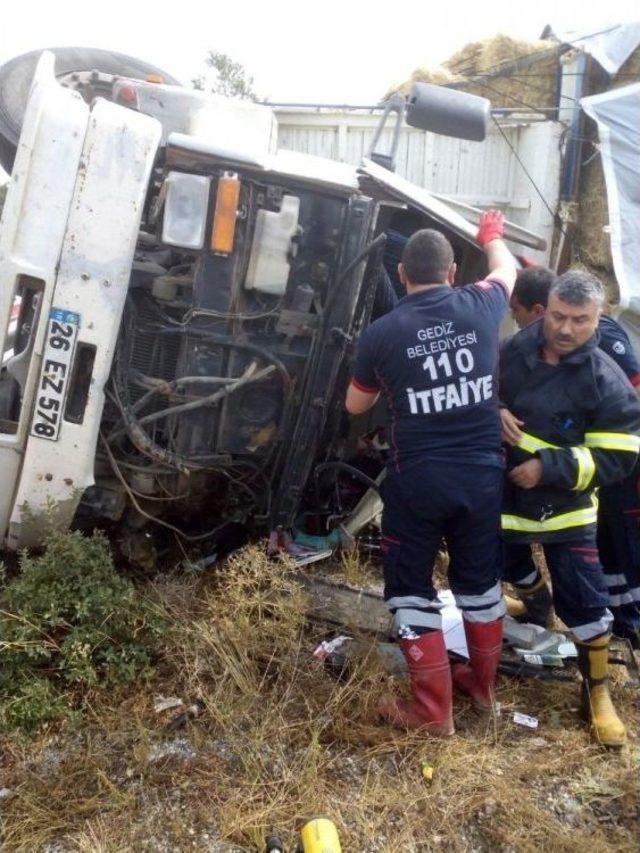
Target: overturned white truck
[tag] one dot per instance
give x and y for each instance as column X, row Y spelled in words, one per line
column 179, row 301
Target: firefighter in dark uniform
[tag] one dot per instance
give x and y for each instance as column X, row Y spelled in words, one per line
column 434, row 358
column 619, row 505
column 579, row 421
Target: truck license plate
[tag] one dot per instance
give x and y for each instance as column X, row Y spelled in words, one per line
column 56, row 366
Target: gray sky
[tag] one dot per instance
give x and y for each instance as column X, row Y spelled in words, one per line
column 343, row 51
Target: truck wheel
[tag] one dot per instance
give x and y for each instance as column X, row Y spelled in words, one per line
column 16, row 76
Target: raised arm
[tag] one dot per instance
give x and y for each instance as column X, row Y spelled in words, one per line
column 501, row 263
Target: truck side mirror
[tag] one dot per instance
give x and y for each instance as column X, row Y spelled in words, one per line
column 395, row 104
column 448, row 112
column 434, row 108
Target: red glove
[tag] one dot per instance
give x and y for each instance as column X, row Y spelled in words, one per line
column 491, row 227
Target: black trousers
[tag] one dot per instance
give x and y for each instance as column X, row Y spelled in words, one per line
column 580, row 594
column 423, row 505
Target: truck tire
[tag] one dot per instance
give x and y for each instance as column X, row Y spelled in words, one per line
column 16, row 76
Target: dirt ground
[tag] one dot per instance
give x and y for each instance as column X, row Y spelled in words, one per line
column 279, row 740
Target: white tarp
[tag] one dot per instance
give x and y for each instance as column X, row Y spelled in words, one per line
column 610, row 46
column 617, row 114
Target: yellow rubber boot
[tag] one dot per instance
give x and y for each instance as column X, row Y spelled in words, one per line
column 537, row 603
column 515, row 607
column 597, row 707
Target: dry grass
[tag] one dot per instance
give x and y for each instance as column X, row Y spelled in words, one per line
column 355, row 571
column 280, row 740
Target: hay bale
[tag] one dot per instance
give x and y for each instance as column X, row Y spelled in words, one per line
column 467, row 60
column 438, row 76
column 480, row 56
column 592, row 246
column 533, row 85
column 529, row 85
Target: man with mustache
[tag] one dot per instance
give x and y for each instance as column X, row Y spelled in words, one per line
column 619, row 504
column 580, row 422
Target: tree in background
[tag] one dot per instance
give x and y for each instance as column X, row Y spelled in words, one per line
column 230, row 78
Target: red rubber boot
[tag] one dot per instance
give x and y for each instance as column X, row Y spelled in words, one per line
column 477, row 678
column 430, row 678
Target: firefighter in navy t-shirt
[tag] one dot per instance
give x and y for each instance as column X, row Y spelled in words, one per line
column 434, row 358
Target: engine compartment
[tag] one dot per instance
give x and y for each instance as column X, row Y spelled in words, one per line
column 220, row 393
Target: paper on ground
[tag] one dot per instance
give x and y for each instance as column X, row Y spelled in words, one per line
column 525, row 720
column 452, row 627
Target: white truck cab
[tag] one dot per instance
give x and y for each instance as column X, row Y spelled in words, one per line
column 69, row 229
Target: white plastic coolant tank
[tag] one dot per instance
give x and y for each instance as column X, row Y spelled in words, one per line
column 269, row 262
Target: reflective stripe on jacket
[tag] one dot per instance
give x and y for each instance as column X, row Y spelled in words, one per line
column 581, row 419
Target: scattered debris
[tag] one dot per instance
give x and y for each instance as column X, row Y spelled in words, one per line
column 521, row 669
column 282, row 543
column 525, row 720
column 427, row 771
column 541, row 660
column 167, row 703
column 528, row 638
column 5, row 794
column 192, row 712
column 329, row 647
column 363, row 611
column 312, row 557
column 317, row 543
column 367, row 511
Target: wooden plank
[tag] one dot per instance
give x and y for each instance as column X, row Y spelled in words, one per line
column 353, row 609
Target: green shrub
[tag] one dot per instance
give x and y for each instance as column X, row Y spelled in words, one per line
column 69, row 619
